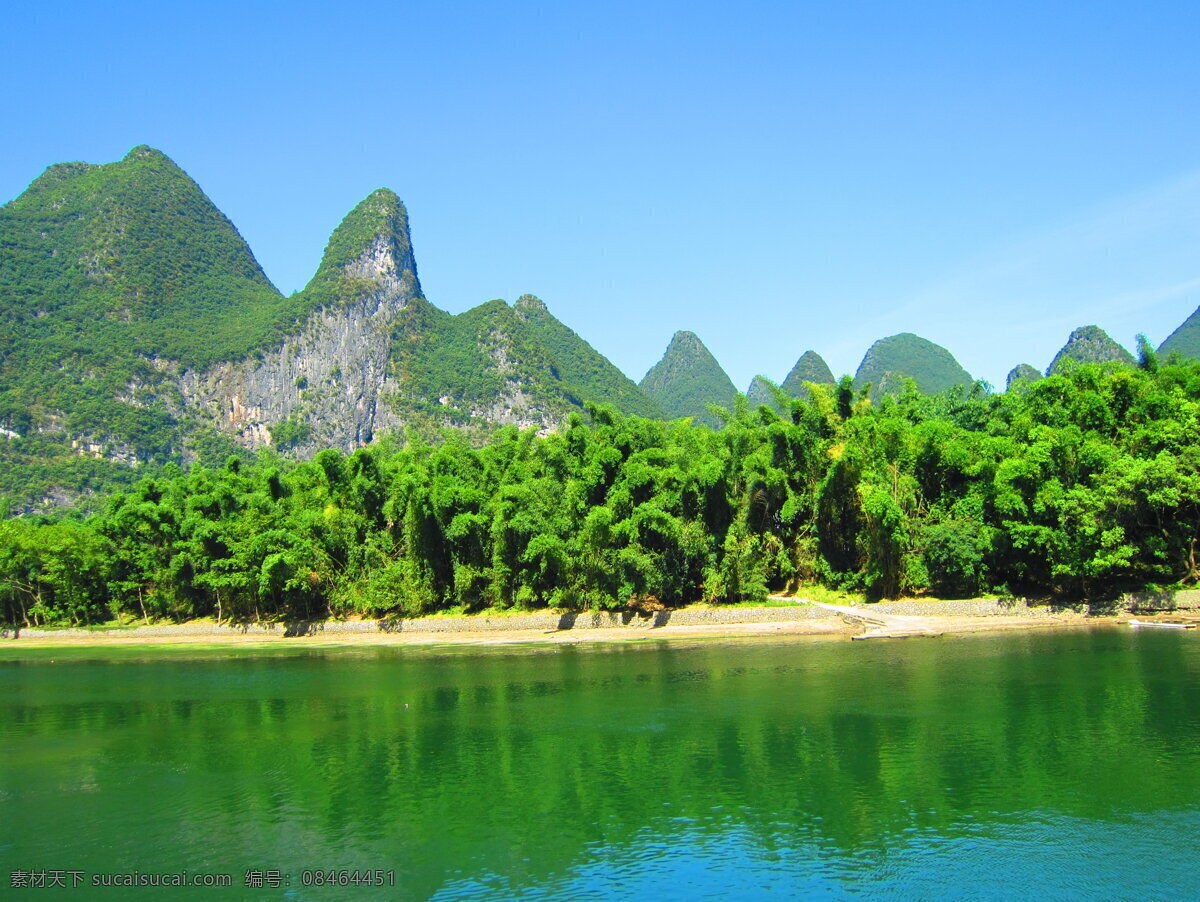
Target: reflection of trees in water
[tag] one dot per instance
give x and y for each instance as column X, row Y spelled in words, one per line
column 516, row 763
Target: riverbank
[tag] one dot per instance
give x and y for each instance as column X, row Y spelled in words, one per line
column 895, row 619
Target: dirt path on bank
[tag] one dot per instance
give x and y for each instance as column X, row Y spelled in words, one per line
column 851, row 623
column 877, row 625
column 824, row 627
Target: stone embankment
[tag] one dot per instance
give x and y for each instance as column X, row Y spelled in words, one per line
column 1134, row 603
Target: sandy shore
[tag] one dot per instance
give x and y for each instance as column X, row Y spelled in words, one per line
column 831, row 627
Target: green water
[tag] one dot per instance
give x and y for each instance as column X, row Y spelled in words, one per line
column 1053, row 765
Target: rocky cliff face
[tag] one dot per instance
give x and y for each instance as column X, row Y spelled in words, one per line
column 330, row 381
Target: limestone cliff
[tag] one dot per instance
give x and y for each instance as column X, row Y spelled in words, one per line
column 330, row 380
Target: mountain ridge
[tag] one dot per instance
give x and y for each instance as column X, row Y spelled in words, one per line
column 138, row 329
column 1185, row 340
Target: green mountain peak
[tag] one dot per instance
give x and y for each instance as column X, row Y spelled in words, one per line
column 144, row 153
column 761, row 393
column 890, row 360
column 687, row 379
column 684, row 342
column 136, row 255
column 591, row 376
column 371, row 246
column 811, row 367
column 1089, row 344
column 1019, row 375
column 531, row 305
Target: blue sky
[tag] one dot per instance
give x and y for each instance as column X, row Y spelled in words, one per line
column 772, row 176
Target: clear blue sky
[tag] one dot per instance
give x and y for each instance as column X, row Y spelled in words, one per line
column 771, row 176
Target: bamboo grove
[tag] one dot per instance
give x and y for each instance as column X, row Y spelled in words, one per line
column 1076, row 486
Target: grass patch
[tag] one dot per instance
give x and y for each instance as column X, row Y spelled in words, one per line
column 825, row 595
column 768, row 602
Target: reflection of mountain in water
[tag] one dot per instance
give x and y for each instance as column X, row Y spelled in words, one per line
column 571, row 764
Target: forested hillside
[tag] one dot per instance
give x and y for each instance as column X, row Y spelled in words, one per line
column 1185, row 340
column 811, row 367
column 102, row 263
column 1079, row 486
column 762, row 391
column 687, row 380
column 889, row 361
column 1019, row 375
column 137, row 329
column 104, row 270
column 1089, row 344
column 592, row 375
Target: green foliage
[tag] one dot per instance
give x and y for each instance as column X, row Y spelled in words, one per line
column 688, row 380
column 291, row 433
column 762, row 391
column 453, row 369
column 1019, row 376
column 1081, row 485
column 100, row 264
column 1147, row 356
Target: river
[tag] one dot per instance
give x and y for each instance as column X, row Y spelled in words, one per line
column 1060, row 764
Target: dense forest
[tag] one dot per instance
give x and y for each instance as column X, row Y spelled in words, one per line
column 1076, row 486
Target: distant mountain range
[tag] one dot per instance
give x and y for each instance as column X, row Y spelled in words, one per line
column 137, row 329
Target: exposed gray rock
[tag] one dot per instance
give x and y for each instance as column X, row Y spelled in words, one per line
column 333, row 376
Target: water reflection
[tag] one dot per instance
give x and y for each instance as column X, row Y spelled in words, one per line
column 799, row 768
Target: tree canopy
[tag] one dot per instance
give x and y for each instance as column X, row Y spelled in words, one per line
column 1082, row 485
